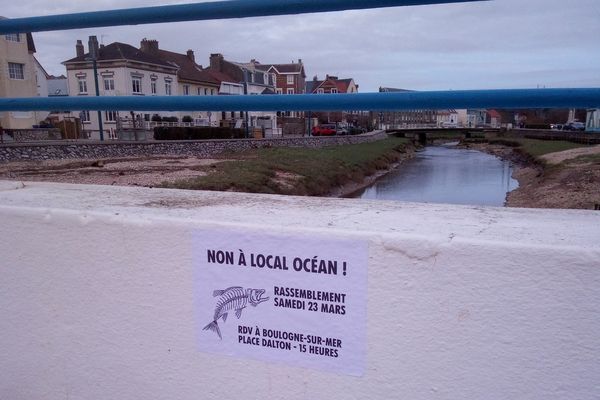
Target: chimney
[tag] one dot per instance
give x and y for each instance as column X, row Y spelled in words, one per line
column 315, row 78
column 299, row 61
column 79, row 49
column 149, row 46
column 93, row 47
column 190, row 54
column 216, row 61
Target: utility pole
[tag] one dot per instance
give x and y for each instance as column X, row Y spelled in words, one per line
column 94, row 48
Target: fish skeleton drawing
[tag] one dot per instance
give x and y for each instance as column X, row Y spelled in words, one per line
column 234, row 299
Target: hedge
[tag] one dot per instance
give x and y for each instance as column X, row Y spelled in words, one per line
column 197, row 133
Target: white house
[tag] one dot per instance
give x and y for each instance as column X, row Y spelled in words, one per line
column 123, row 70
column 447, row 119
column 592, row 123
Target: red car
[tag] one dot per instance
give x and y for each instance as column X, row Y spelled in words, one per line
column 324, row 130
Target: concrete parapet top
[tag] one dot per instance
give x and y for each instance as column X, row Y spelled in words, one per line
column 538, row 227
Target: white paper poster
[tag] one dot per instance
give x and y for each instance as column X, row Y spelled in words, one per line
column 298, row 300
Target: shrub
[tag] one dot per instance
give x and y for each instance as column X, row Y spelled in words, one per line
column 170, row 119
column 537, row 126
column 156, row 118
column 197, row 133
column 187, row 118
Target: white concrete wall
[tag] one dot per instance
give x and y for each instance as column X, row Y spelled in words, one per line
column 97, row 297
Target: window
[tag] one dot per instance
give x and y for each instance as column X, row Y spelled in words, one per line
column 334, row 91
column 168, row 88
column 290, row 79
column 110, row 116
column 290, row 91
column 85, row 116
column 206, row 92
column 320, row 91
column 109, row 84
column 15, row 71
column 279, row 91
column 136, row 84
column 153, row 86
column 82, row 85
column 212, row 92
column 186, row 90
column 13, row 37
column 199, row 91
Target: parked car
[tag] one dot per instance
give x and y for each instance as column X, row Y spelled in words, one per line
column 574, row 126
column 324, row 130
column 356, row 130
column 341, row 130
column 556, row 127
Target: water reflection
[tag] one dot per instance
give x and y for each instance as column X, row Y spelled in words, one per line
column 446, row 174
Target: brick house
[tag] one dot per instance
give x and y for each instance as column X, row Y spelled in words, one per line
column 333, row 85
column 289, row 79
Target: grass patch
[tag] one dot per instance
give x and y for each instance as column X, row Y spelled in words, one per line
column 585, row 159
column 297, row 171
column 533, row 148
column 538, row 148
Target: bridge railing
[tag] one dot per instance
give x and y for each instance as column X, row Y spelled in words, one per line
column 533, row 98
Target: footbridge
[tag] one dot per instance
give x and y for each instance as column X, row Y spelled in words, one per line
column 129, row 293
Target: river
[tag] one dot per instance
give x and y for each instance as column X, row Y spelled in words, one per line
column 447, row 174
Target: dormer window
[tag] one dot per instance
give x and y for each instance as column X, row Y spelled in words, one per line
column 320, row 91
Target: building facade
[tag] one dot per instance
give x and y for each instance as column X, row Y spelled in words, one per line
column 192, row 80
column 244, row 79
column 410, row 118
column 18, row 78
column 123, row 70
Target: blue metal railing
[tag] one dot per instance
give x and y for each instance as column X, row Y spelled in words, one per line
column 517, row 98
column 199, row 12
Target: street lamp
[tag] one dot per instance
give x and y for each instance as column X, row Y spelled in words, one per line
column 93, row 47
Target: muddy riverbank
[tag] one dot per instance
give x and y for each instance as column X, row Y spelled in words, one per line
column 563, row 179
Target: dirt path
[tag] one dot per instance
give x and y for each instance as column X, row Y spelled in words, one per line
column 150, row 171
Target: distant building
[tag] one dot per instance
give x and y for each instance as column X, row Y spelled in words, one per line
column 18, row 78
column 407, row 118
column 289, row 79
column 244, row 79
column 331, row 85
column 592, row 123
column 476, row 118
column 123, row 70
column 447, row 118
column 192, row 79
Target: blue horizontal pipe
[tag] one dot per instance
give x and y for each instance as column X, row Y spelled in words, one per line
column 198, row 12
column 509, row 98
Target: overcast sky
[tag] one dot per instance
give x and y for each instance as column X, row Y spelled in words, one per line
column 496, row 44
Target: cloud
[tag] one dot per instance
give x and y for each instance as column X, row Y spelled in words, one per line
column 496, row 44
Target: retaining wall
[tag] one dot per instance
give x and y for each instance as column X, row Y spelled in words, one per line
column 82, row 150
column 102, row 295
